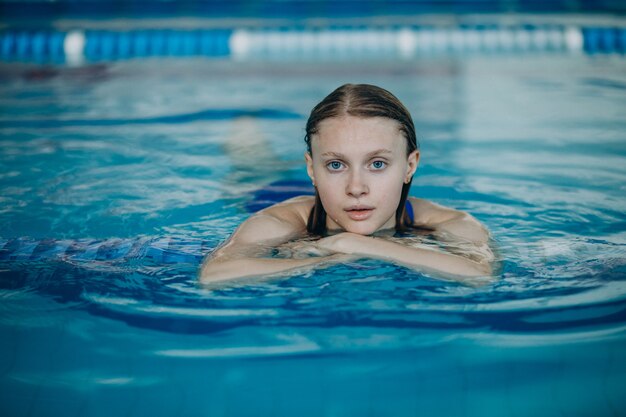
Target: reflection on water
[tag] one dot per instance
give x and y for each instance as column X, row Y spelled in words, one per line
column 143, row 199
column 110, row 201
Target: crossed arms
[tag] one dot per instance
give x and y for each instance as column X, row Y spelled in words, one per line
column 246, row 252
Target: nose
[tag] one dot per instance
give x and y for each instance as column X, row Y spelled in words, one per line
column 357, row 185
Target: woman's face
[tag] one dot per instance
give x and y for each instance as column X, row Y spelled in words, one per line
column 359, row 166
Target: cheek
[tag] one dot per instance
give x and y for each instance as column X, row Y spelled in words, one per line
column 329, row 193
column 332, row 194
column 388, row 195
column 390, row 184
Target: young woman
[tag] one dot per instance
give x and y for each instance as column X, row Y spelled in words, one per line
column 361, row 155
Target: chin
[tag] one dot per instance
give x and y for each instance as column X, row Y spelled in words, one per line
column 361, row 229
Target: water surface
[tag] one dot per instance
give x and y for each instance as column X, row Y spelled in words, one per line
column 117, row 178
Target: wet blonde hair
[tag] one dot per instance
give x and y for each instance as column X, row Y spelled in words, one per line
column 361, row 100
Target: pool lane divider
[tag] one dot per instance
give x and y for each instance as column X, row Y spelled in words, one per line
column 405, row 42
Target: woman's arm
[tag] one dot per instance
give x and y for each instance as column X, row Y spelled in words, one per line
column 448, row 221
column 459, row 230
column 224, row 269
column 245, row 253
column 439, row 263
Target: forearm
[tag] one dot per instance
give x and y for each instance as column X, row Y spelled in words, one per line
column 426, row 260
column 215, row 270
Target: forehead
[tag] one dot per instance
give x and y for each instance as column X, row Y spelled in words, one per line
column 354, row 134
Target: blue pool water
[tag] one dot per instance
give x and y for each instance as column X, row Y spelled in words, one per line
column 116, row 179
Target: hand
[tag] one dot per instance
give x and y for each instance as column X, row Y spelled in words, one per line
column 345, row 242
column 302, row 249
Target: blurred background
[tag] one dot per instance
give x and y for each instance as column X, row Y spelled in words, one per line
column 135, row 136
column 299, row 9
column 38, row 30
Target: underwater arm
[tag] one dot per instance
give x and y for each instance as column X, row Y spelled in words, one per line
column 463, row 226
column 456, row 228
column 448, row 221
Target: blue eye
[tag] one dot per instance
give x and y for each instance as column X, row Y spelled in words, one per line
column 379, row 165
column 334, row 165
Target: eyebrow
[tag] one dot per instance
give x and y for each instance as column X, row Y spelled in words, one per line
column 377, row 152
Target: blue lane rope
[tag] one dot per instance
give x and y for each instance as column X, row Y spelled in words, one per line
column 99, row 45
column 604, row 40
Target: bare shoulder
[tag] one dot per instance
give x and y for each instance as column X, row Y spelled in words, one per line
column 282, row 221
column 448, row 220
column 430, row 213
column 295, row 210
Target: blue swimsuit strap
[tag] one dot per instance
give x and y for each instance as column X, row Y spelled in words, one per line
column 409, row 210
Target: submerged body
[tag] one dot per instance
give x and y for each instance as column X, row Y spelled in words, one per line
column 361, row 159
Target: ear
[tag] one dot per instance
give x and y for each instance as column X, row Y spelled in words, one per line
column 412, row 163
column 309, row 167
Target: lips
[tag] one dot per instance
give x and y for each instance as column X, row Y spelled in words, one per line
column 359, row 213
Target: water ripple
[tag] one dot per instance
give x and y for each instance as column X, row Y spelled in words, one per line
column 203, row 115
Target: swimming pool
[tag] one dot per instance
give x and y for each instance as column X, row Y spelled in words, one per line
column 118, row 177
